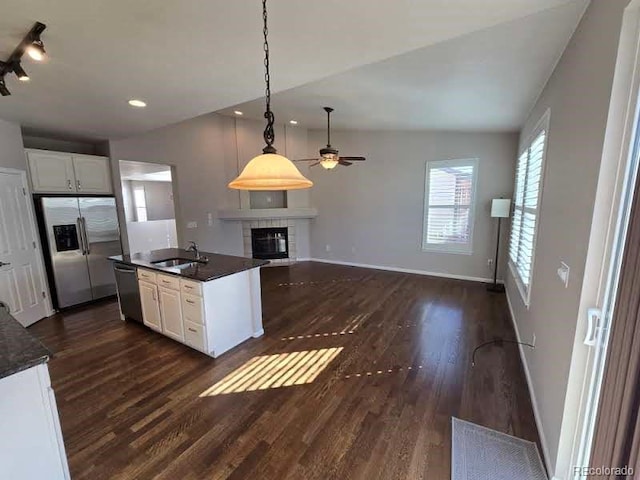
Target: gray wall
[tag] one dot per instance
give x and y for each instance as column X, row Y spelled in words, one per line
column 11, row 146
column 371, row 212
column 207, row 152
column 578, row 95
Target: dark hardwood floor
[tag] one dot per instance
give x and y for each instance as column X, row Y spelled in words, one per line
column 130, row 403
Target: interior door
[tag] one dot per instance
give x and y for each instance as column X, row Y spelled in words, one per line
column 100, row 226
column 22, row 283
column 68, row 259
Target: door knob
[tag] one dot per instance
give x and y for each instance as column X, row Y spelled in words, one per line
column 3, row 264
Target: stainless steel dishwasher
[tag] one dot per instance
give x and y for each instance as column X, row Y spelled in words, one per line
column 128, row 292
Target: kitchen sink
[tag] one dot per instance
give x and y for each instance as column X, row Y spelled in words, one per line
column 178, row 263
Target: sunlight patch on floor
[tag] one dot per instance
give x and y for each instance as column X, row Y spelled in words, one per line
column 275, row 371
column 353, row 323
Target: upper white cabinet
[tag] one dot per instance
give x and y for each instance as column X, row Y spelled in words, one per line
column 92, row 174
column 51, row 172
column 57, row 172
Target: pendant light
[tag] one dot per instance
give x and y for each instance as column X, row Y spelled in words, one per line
column 269, row 171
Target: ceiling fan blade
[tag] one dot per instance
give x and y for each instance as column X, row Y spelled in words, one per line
column 353, row 159
column 345, row 163
column 306, row 160
column 314, row 164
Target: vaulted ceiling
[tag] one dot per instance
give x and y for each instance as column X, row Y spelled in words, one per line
column 188, row 57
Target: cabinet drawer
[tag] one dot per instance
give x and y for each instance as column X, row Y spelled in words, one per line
column 189, row 286
column 146, row 275
column 194, row 336
column 168, row 281
column 192, row 308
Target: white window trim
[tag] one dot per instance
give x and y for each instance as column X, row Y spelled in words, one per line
column 447, row 247
column 543, row 124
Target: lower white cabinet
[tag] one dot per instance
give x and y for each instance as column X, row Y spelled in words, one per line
column 171, row 313
column 212, row 316
column 31, row 445
column 150, row 306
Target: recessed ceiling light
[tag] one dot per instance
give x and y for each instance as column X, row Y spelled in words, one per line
column 137, row 103
column 293, row 122
column 237, row 112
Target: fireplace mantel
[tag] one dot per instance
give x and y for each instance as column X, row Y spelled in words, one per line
column 264, row 213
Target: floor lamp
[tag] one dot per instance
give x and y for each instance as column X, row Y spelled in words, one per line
column 500, row 208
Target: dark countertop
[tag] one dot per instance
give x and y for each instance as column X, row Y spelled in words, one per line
column 217, row 266
column 19, row 349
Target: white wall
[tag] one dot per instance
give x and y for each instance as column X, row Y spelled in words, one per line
column 152, row 235
column 577, row 95
column 371, row 212
column 11, row 146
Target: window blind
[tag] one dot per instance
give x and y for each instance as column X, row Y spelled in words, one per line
column 449, row 203
column 526, row 212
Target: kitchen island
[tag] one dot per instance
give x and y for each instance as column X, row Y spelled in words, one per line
column 207, row 301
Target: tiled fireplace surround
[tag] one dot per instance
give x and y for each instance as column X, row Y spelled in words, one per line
column 290, row 224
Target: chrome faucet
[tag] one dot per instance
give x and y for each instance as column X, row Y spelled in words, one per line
column 193, row 247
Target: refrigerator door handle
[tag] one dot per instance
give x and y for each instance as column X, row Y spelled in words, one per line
column 86, row 237
column 81, row 236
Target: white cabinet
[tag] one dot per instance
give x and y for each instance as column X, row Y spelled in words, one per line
column 51, row 172
column 171, row 313
column 92, row 174
column 212, row 316
column 31, row 445
column 150, row 306
column 57, row 172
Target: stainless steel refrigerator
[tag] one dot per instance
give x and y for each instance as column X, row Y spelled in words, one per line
column 82, row 232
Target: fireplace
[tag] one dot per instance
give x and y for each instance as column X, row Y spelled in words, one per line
column 270, row 243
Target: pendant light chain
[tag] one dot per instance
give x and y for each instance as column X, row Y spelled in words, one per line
column 269, row 133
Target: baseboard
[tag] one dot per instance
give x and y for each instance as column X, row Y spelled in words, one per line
column 532, row 394
column 404, row 270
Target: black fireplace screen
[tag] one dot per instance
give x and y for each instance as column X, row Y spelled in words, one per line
column 270, row 243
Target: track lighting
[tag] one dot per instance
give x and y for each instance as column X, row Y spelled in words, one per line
column 4, row 91
column 36, row 50
column 20, row 73
column 31, row 44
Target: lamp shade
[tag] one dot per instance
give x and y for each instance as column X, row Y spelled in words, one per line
column 500, row 207
column 270, row 171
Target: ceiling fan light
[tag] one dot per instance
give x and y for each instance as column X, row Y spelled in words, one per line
column 329, row 163
column 270, row 171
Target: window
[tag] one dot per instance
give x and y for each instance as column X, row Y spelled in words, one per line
column 526, row 207
column 449, row 206
column 140, row 203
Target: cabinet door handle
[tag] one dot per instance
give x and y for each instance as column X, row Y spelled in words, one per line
column 165, row 281
column 153, row 294
column 190, row 302
column 79, row 186
column 188, row 287
column 192, row 330
column 69, row 183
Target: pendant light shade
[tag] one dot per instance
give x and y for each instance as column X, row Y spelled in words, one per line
column 270, row 171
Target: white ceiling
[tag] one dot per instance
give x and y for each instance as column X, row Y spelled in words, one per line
column 188, row 57
column 142, row 171
column 486, row 80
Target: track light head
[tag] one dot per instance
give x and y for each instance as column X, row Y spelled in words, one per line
column 20, row 73
column 4, row 91
column 36, row 50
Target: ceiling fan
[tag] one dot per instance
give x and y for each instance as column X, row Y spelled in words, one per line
column 329, row 158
